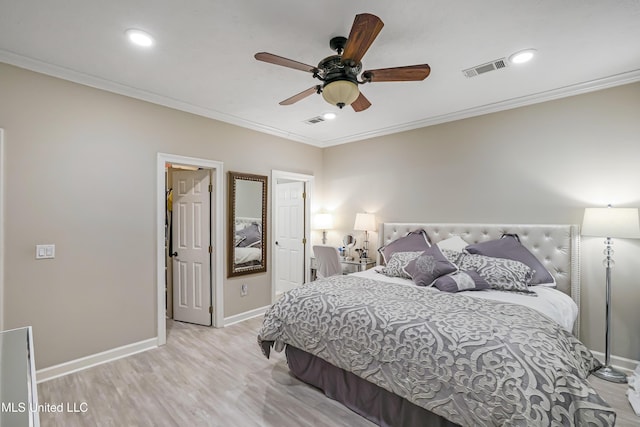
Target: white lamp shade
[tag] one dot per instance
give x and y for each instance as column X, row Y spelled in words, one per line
column 611, row 222
column 365, row 222
column 323, row 221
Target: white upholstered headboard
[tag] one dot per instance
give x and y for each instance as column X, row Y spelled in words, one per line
column 243, row 221
column 556, row 246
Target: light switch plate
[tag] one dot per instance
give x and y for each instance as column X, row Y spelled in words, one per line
column 45, row 251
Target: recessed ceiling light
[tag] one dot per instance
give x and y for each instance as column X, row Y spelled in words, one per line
column 139, row 37
column 329, row 116
column 522, row 56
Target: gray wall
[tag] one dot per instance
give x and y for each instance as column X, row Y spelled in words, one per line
column 81, row 173
column 539, row 164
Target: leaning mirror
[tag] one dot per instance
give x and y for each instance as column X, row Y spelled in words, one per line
column 247, row 232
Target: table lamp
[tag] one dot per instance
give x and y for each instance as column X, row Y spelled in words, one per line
column 324, row 222
column 365, row 222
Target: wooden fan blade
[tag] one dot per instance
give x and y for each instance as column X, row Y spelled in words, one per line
column 360, row 104
column 364, row 31
column 279, row 60
column 301, row 95
column 409, row 73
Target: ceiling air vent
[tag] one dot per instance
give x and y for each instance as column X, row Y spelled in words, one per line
column 485, row 68
column 314, row 120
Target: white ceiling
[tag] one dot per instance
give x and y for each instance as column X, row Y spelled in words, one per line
column 203, row 58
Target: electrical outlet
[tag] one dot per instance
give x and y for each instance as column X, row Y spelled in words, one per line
column 244, row 290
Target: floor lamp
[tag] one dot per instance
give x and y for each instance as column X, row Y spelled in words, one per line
column 610, row 222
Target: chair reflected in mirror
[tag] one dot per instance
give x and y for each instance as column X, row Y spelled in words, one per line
column 327, row 260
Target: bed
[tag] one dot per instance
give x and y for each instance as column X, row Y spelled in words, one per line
column 407, row 355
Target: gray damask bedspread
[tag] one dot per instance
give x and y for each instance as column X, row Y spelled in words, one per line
column 475, row 362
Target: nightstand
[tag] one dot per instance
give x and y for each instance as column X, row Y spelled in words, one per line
column 348, row 267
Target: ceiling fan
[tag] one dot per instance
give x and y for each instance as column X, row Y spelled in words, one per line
column 339, row 73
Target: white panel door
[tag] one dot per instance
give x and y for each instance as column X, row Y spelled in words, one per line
column 289, row 235
column 191, row 240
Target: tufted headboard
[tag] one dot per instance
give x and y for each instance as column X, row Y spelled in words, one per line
column 556, row 246
column 243, row 221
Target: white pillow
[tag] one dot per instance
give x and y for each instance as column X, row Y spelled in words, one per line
column 453, row 243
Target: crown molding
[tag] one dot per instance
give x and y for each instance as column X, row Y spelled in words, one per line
column 154, row 98
column 110, row 86
column 523, row 101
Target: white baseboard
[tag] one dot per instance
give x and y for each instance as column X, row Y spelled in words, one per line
column 82, row 363
column 621, row 363
column 241, row 317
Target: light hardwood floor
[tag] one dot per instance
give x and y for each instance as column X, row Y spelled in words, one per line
column 213, row 377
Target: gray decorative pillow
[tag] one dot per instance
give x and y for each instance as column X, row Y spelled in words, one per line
column 468, row 280
column 510, row 248
column 413, row 241
column 500, row 273
column 397, row 263
column 427, row 267
column 251, row 235
column 238, row 239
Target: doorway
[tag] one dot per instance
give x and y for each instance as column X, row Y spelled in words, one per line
column 215, row 223
column 291, row 195
column 188, row 241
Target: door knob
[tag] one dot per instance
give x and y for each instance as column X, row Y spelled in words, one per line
column 277, row 244
column 174, row 254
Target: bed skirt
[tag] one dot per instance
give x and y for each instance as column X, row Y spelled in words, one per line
column 367, row 399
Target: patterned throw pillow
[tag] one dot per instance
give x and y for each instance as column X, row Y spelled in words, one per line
column 509, row 247
column 430, row 265
column 451, row 255
column 413, row 241
column 397, row 263
column 461, row 281
column 500, row 273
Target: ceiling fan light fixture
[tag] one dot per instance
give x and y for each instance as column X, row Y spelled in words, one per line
column 340, row 92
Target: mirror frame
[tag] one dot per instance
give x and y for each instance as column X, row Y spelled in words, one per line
column 232, row 271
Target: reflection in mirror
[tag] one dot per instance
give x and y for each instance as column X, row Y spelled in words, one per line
column 348, row 241
column 247, row 252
